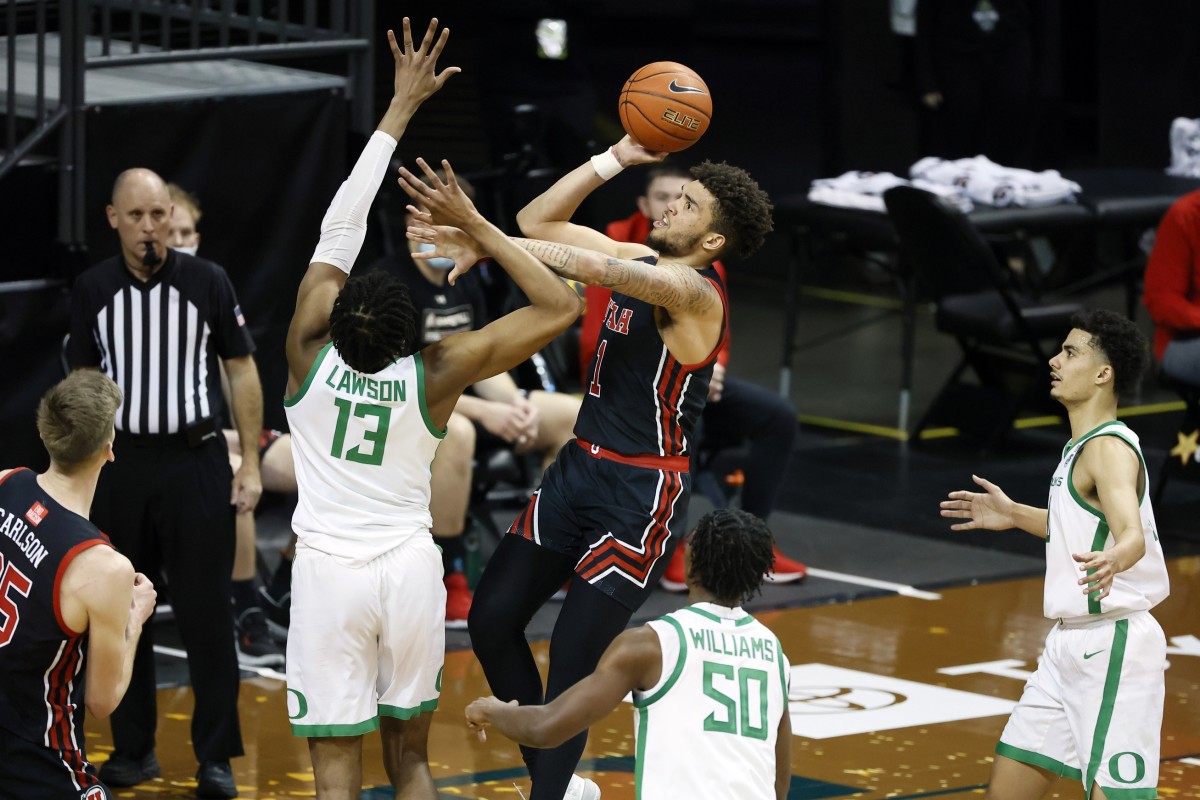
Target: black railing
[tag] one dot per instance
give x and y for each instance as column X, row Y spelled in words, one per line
column 156, row 32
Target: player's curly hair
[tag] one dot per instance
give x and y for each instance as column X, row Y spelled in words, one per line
column 1121, row 341
column 373, row 321
column 731, row 552
column 743, row 210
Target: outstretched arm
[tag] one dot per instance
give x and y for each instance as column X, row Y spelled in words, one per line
column 345, row 223
column 632, row 661
column 678, row 288
column 992, row 510
column 547, row 215
column 463, row 359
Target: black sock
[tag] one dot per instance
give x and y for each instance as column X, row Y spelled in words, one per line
column 244, row 596
column 453, row 552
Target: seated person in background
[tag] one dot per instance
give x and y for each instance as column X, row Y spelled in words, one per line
column 1172, row 290
column 736, row 409
column 497, row 410
column 254, row 642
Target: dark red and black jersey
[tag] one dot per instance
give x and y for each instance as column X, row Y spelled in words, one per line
column 638, row 398
column 41, row 659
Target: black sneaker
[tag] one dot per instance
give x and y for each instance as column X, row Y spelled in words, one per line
column 254, row 643
column 215, row 779
column 123, row 770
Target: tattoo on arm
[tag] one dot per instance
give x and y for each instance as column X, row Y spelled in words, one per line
column 558, row 257
column 674, row 287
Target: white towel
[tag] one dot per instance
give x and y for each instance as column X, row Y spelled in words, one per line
column 1185, row 148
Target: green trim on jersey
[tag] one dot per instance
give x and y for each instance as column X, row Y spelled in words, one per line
column 1137, row 451
column 643, row 713
column 308, row 379
column 420, row 362
column 1112, row 682
column 639, row 761
column 355, row 729
column 783, row 678
column 396, row 712
column 1038, row 760
column 1149, row 793
column 679, row 662
column 746, row 620
column 1098, row 540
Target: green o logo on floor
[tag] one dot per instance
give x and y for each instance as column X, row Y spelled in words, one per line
column 1114, row 767
column 301, row 704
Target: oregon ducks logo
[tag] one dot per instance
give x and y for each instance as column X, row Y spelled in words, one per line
column 839, row 699
column 301, row 704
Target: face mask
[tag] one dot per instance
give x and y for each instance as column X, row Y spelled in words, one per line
column 191, row 251
column 437, row 263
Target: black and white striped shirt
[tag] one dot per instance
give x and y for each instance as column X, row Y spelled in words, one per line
column 160, row 341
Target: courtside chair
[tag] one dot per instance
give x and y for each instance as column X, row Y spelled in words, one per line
column 1006, row 337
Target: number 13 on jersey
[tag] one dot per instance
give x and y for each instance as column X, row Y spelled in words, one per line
column 369, row 449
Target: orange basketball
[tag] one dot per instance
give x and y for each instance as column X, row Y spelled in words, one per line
column 665, row 107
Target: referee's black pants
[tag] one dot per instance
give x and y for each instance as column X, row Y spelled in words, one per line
column 166, row 507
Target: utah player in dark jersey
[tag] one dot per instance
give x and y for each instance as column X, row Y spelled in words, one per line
column 71, row 607
column 613, row 506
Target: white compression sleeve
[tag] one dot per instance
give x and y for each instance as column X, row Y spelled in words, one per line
column 345, row 225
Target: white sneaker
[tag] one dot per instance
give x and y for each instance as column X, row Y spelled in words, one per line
column 582, row 789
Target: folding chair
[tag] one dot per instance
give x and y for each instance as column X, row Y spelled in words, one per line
column 1006, row 336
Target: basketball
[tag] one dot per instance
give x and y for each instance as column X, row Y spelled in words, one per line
column 665, row 107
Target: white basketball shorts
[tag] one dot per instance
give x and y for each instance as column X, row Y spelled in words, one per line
column 365, row 642
column 1092, row 711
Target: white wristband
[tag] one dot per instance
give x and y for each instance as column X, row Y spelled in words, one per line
column 606, row 165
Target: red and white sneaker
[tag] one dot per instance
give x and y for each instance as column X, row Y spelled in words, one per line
column 458, row 600
column 675, row 579
column 785, row 570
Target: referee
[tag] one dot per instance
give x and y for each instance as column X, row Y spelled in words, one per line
column 156, row 321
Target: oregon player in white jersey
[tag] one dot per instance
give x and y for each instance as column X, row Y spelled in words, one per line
column 1092, row 711
column 363, row 496
column 367, row 412
column 709, row 682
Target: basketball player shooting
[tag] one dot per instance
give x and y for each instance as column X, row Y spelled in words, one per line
column 611, row 509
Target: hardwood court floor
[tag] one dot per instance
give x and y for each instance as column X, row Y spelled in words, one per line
column 892, row 697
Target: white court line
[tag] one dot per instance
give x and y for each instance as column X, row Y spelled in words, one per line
column 262, row 672
column 898, row 588
column 1195, row 762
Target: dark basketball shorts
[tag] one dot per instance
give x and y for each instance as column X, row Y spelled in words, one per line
column 621, row 521
column 32, row 771
column 265, row 440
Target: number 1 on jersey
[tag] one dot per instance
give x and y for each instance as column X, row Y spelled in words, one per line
column 594, row 388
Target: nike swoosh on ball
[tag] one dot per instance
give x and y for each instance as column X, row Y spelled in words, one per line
column 675, row 87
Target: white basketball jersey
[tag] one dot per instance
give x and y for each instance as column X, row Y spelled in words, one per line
column 708, row 728
column 1075, row 526
column 362, row 445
